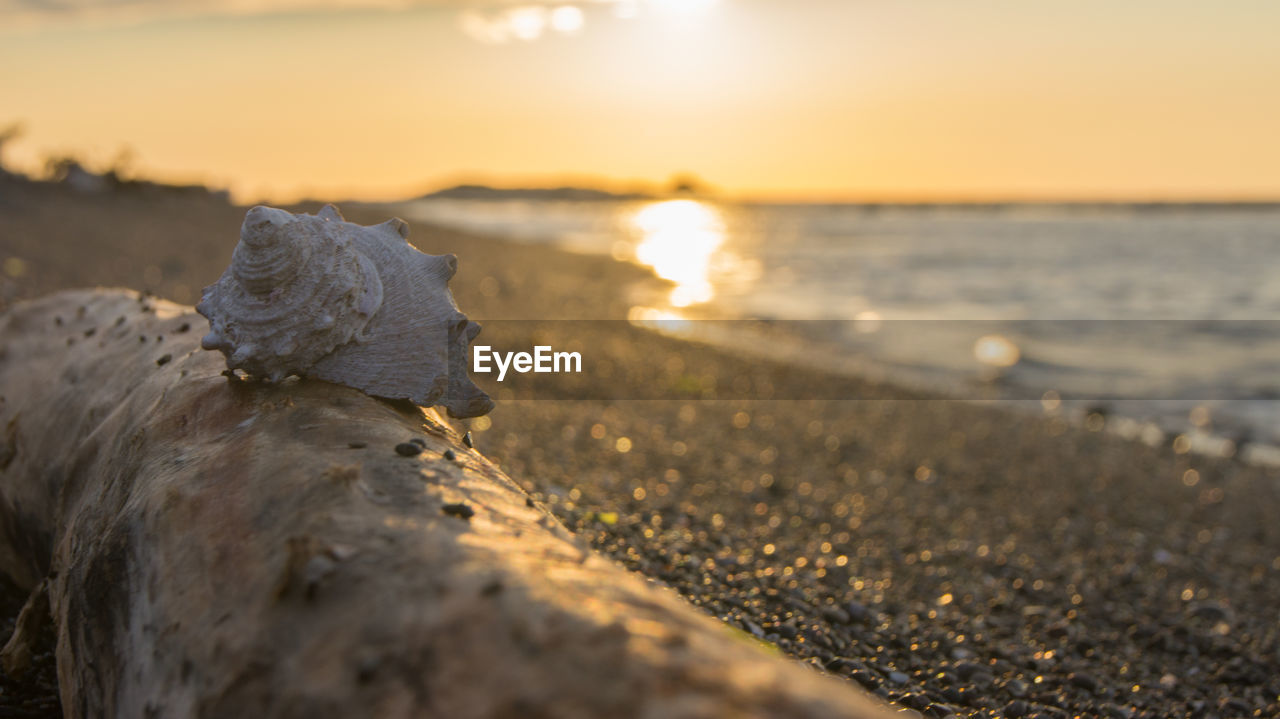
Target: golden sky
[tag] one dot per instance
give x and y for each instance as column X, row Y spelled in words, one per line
column 780, row 99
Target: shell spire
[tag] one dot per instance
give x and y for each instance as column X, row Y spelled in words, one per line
column 317, row 296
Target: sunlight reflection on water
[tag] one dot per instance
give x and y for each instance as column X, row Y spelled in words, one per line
column 679, row 239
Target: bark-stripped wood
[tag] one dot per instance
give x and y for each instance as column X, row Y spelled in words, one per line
column 221, row 548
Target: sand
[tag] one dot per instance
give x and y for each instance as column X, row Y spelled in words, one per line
column 954, row 558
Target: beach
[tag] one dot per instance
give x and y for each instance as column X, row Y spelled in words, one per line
column 953, row 558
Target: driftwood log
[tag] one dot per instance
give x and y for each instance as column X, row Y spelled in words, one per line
column 214, row 547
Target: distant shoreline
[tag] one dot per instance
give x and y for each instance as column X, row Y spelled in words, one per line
column 486, row 193
column 82, row 181
column 567, row 193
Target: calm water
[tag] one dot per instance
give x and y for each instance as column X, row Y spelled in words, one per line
column 1168, row 318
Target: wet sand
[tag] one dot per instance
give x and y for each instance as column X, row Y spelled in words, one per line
column 956, row 559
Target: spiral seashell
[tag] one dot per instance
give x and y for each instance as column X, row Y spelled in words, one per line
column 317, row 296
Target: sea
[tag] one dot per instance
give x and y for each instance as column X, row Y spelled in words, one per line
column 1156, row 321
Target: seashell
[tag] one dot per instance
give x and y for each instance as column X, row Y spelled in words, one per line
column 317, row 296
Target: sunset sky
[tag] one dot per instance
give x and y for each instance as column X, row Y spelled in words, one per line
column 773, row 99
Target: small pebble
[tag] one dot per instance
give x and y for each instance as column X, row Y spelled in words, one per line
column 357, row 445
column 982, row 680
column 1211, row 612
column 164, row 360
column 408, row 449
column 917, row 700
column 858, row 612
column 942, row 710
column 184, row 327
column 449, row 455
column 833, row 613
column 841, row 664
column 1117, row 712
column 1084, row 681
column 1015, row 709
column 1058, row 629
column 460, row 510
column 466, row 439
column 866, row 678
column 366, row 668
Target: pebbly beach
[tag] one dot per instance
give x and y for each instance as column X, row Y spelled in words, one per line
column 952, row 558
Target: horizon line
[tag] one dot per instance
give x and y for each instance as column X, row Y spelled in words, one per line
column 651, row 190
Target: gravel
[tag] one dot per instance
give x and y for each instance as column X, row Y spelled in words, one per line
column 1039, row 574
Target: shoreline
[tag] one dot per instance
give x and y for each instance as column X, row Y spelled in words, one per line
column 1235, row 435
column 955, row 558
column 1095, row 414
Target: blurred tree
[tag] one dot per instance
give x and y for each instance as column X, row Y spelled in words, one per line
column 123, row 166
column 58, row 167
column 687, row 183
column 8, row 134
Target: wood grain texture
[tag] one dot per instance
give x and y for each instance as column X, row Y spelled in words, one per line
column 222, row 548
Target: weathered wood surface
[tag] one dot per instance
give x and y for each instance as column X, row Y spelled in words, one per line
column 221, row 548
